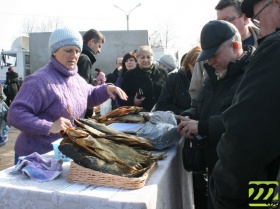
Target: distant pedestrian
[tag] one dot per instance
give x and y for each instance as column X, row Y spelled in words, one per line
column 168, row 62
column 12, row 85
column 3, row 96
column 112, row 77
column 100, row 77
column 4, row 128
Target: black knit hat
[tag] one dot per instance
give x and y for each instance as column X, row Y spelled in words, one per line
column 213, row 35
column 247, row 7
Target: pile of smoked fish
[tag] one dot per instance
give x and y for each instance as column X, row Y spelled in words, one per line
column 125, row 114
column 96, row 146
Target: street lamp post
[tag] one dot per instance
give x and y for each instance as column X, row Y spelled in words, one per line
column 127, row 14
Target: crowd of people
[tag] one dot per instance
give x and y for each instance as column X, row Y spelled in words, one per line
column 222, row 93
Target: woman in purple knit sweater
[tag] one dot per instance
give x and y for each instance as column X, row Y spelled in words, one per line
column 39, row 110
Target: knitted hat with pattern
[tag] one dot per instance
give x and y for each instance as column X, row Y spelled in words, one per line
column 65, row 37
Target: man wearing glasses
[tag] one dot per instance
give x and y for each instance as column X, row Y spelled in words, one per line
column 250, row 148
column 230, row 11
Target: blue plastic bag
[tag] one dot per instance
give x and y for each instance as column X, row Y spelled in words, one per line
column 161, row 130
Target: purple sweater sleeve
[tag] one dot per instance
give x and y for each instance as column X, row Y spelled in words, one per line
column 98, row 95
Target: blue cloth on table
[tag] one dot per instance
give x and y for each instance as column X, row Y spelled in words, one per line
column 38, row 168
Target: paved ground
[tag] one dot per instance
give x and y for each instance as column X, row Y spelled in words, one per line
column 7, row 151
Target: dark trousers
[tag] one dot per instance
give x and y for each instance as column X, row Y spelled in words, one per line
column 9, row 99
column 210, row 202
column 200, row 190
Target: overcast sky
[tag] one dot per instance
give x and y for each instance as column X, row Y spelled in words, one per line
column 187, row 17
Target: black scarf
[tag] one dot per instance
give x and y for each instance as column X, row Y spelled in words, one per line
column 148, row 71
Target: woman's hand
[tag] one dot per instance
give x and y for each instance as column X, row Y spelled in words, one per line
column 138, row 102
column 112, row 90
column 59, row 125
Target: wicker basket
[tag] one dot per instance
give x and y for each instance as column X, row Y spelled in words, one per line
column 82, row 175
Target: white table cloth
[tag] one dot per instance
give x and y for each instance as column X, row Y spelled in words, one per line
column 169, row 187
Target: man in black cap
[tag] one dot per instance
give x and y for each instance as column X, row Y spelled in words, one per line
column 249, row 151
column 230, row 11
column 222, row 47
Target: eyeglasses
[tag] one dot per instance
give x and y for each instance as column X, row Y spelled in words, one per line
column 230, row 19
column 258, row 13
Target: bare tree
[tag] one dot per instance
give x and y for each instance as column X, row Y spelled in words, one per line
column 163, row 37
column 28, row 26
column 50, row 25
column 31, row 25
column 155, row 40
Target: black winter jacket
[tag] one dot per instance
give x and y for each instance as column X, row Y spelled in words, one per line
column 215, row 96
column 250, row 148
column 151, row 86
column 12, row 82
column 85, row 63
column 112, row 77
column 175, row 95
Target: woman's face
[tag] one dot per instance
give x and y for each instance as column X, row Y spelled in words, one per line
column 145, row 59
column 68, row 56
column 130, row 63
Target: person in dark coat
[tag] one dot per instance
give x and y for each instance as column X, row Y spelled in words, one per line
column 93, row 41
column 249, row 148
column 175, row 95
column 112, row 77
column 129, row 62
column 227, row 61
column 228, row 10
column 144, row 83
column 12, row 85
